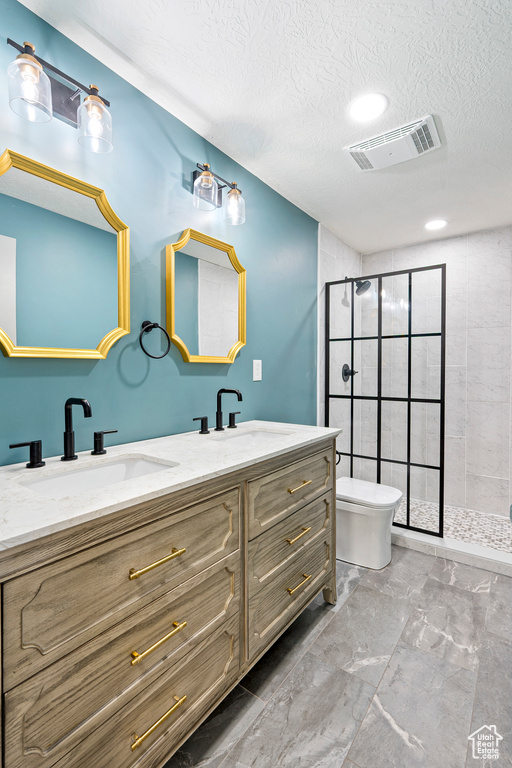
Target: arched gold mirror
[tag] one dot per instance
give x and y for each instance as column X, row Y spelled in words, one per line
column 64, row 264
column 205, row 298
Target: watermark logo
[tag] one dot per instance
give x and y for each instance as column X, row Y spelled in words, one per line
column 485, row 743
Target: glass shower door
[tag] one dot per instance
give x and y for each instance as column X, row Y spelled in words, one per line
column 385, row 382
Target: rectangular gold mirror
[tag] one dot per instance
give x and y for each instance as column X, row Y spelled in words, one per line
column 205, row 286
column 64, row 264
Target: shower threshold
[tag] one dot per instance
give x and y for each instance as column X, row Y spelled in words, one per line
column 476, row 538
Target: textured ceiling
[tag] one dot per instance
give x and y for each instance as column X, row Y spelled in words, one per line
column 268, row 82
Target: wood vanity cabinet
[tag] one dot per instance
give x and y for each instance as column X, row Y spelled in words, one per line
column 121, row 635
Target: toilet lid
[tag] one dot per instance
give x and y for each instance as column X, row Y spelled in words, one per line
column 368, row 494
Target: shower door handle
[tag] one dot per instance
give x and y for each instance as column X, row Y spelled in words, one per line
column 346, row 372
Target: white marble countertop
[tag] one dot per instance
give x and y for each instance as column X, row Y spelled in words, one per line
column 26, row 515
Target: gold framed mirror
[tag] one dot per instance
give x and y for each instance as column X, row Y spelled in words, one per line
column 205, row 289
column 64, row 264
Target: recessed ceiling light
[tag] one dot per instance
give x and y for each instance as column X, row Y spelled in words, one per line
column 436, row 224
column 367, row 107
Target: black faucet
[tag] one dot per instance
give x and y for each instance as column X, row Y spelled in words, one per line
column 69, row 435
column 36, row 453
column 218, row 415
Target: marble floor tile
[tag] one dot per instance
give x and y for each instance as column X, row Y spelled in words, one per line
column 309, row 723
column 494, row 696
column 273, row 668
column 363, row 634
column 348, row 577
column 212, row 741
column 448, row 623
column 454, row 652
column 462, row 576
column 404, row 577
column 231, row 763
column 419, row 717
column 499, row 612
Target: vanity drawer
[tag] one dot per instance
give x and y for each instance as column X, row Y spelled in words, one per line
column 44, row 716
column 52, row 611
column 274, row 496
column 279, row 545
column 207, row 673
column 272, row 606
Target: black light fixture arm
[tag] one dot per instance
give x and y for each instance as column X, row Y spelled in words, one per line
column 28, row 49
column 229, row 184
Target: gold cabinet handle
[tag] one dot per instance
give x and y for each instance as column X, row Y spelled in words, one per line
column 306, row 578
column 136, row 657
column 139, row 739
column 304, row 531
column 134, row 573
column 302, row 485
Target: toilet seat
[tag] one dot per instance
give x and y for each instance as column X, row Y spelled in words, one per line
column 370, row 495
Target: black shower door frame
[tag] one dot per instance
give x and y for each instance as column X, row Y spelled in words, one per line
column 379, row 398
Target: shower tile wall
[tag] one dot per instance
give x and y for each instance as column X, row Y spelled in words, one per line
column 335, row 261
column 478, row 360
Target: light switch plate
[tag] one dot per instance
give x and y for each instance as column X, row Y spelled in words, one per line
column 256, row 370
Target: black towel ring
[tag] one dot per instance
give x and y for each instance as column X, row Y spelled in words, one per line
column 148, row 326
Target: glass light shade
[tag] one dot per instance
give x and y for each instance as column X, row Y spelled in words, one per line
column 234, row 207
column 205, row 192
column 94, row 125
column 30, row 93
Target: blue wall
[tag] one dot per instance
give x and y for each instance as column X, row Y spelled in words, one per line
column 145, row 179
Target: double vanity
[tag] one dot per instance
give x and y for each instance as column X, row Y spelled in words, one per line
column 140, row 586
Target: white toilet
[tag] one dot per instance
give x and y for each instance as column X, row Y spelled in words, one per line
column 364, row 513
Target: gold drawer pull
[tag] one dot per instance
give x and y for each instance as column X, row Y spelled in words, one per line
column 139, row 739
column 302, row 485
column 139, row 656
column 134, row 573
column 306, row 578
column 304, row 531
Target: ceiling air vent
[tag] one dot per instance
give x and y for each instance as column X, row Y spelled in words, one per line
column 404, row 143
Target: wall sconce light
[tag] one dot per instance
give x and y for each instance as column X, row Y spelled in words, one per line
column 38, row 91
column 30, row 94
column 94, row 123
column 208, row 195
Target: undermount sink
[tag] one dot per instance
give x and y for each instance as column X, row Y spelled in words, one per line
column 250, row 436
column 71, row 482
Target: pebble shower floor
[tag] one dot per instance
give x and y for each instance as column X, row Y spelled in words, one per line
column 493, row 531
